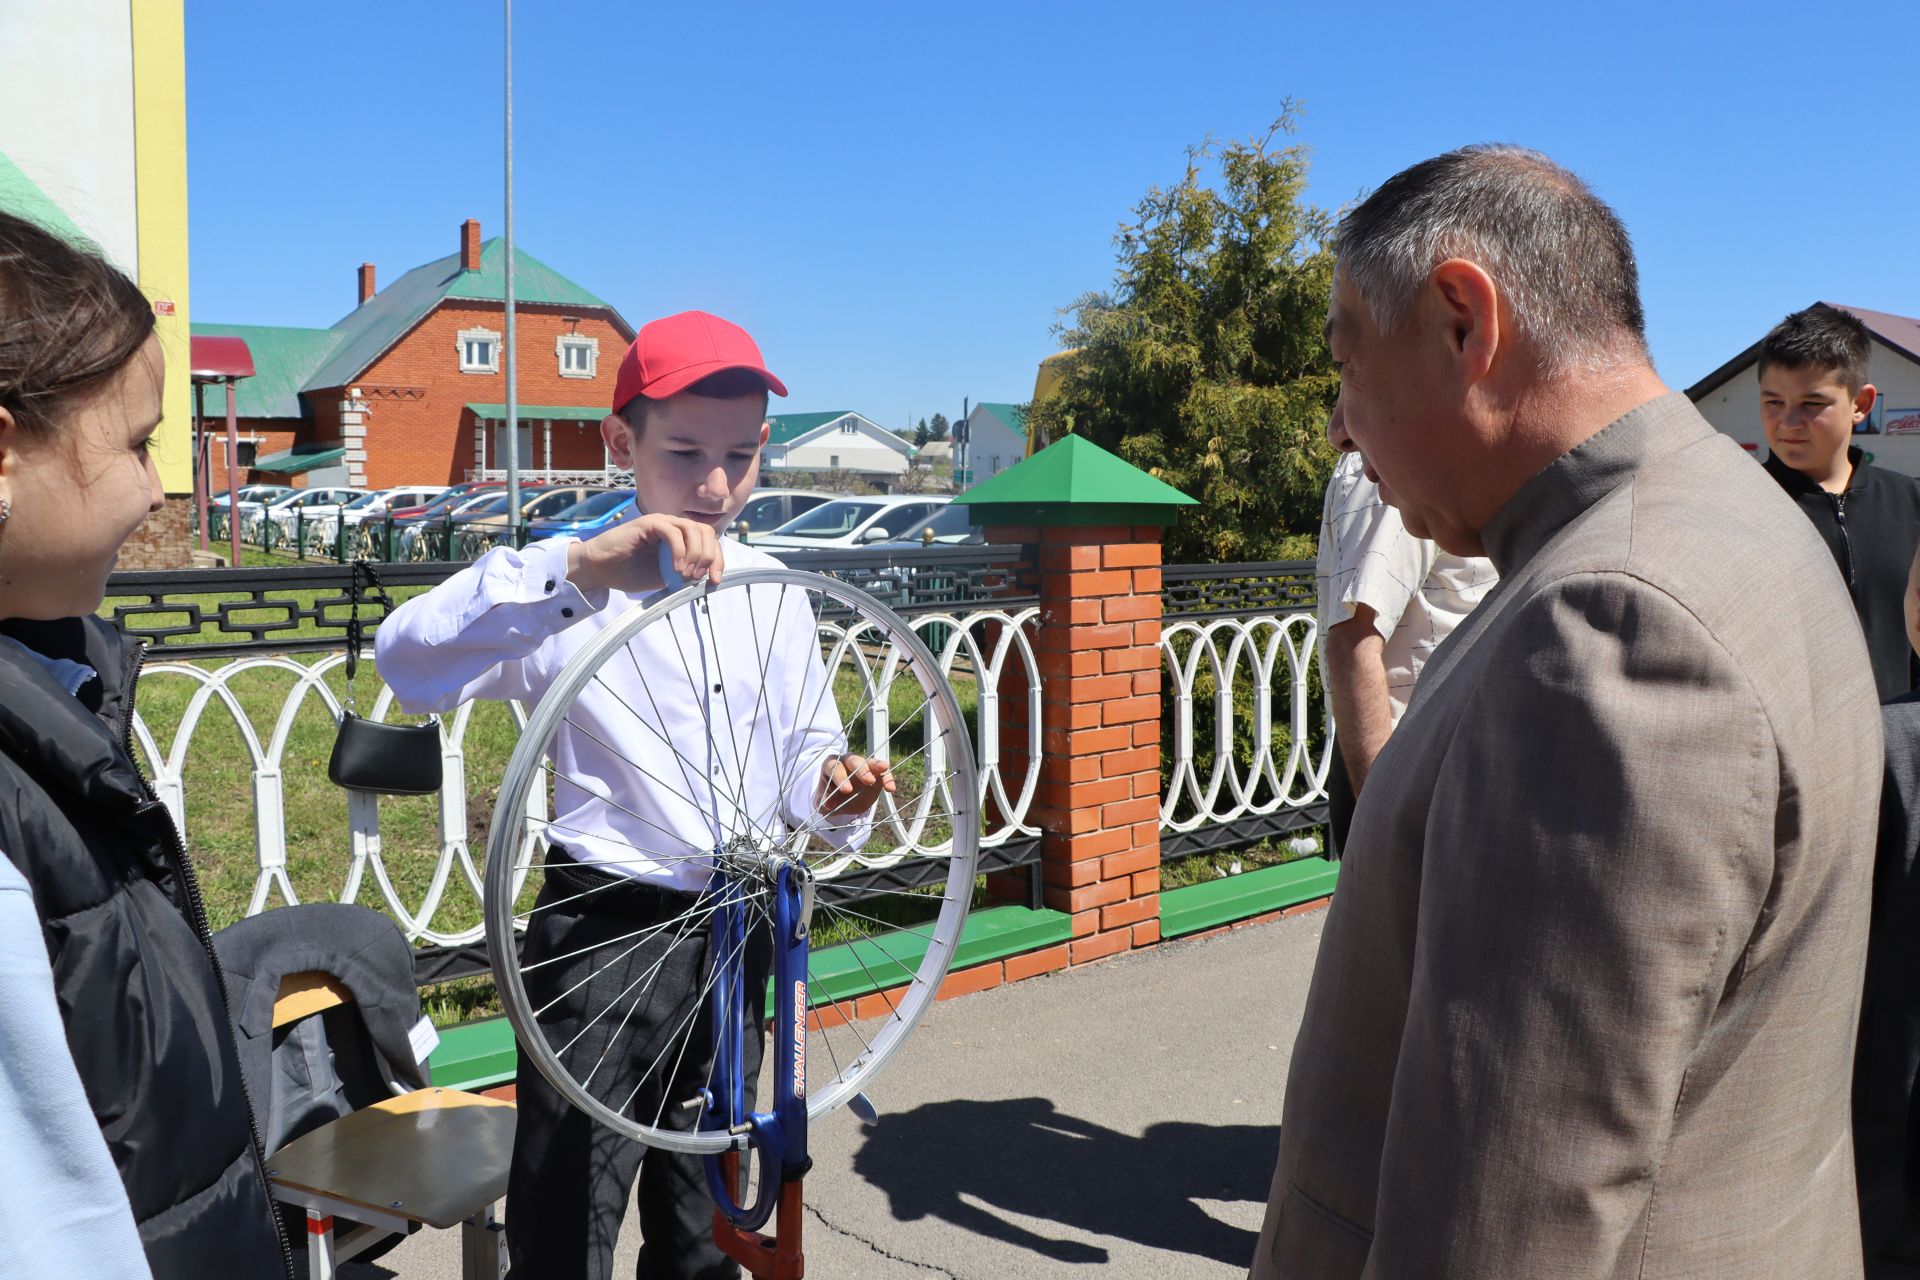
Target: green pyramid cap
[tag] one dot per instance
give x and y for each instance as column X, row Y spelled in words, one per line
column 1074, row 482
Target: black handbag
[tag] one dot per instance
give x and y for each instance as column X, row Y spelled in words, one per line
column 370, row 755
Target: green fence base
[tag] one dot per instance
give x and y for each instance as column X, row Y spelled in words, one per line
column 1212, row 903
column 480, row 1054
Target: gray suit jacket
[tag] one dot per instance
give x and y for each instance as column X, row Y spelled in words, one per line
column 1586, row 999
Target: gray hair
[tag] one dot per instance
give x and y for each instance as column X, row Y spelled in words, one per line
column 1558, row 254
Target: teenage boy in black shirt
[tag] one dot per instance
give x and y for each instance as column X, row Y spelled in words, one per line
column 1813, row 393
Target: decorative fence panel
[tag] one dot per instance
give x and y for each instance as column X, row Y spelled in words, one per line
column 1246, row 738
column 244, row 683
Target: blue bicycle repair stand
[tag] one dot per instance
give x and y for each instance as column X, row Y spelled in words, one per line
column 777, row 1139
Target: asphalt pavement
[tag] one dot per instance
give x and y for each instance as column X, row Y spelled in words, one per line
column 1118, row 1119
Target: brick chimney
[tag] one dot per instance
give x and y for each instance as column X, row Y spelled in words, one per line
column 367, row 289
column 470, row 245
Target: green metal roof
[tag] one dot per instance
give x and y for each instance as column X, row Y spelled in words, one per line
column 556, row 412
column 283, row 360
column 300, row 458
column 533, row 280
column 22, row 197
column 788, row 427
column 382, row 320
column 1014, row 415
column 1074, row 481
column 290, row 361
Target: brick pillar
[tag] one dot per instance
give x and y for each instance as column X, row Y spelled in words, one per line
column 1097, row 522
column 1098, row 804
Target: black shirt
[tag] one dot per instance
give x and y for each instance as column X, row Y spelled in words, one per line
column 1872, row 528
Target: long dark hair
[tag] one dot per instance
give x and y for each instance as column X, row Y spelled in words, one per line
column 68, row 318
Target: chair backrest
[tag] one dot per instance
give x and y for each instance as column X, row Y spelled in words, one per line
column 304, row 994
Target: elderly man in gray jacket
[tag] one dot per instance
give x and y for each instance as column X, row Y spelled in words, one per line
column 1586, row 1000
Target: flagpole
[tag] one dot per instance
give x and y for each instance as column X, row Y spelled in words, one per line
column 513, row 381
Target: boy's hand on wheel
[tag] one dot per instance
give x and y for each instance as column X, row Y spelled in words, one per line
column 627, row 556
column 851, row 784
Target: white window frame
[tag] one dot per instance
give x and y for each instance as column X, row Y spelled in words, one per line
column 245, row 443
column 577, row 342
column 489, row 336
column 849, row 426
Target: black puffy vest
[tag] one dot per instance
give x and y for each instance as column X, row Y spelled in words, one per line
column 135, row 978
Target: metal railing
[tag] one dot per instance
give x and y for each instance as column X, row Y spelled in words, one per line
column 1245, row 737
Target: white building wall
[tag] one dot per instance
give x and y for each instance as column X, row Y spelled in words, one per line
column 72, row 61
column 993, row 446
column 869, row 449
column 1734, row 407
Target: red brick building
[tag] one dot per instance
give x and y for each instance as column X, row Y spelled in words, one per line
column 410, row 387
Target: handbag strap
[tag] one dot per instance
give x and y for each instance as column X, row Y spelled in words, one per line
column 355, row 631
column 353, row 627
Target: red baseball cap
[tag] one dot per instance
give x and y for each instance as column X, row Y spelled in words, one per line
column 672, row 354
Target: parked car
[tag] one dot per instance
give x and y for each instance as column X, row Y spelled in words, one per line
column 768, row 509
column 304, row 513
column 251, row 495
column 950, row 526
column 423, row 537
column 387, row 534
column 370, row 506
column 263, row 521
column 604, row 509
column 254, row 493
column 363, row 538
column 920, row 583
column 852, row 522
column 437, row 506
column 482, row 529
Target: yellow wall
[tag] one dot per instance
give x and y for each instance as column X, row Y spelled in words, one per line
column 160, row 177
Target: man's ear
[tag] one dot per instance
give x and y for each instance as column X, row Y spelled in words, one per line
column 618, row 437
column 766, row 432
column 1863, row 403
column 1468, row 306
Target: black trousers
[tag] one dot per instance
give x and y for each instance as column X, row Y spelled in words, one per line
column 568, row 1187
column 1340, row 805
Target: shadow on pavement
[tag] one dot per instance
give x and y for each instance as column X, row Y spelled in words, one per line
column 948, row 1159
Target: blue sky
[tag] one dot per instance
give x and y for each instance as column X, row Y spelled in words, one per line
column 898, row 198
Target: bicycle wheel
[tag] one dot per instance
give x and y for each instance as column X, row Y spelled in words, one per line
column 714, row 813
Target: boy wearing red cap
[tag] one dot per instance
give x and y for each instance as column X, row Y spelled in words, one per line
column 689, row 418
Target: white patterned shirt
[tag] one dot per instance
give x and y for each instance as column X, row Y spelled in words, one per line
column 1418, row 593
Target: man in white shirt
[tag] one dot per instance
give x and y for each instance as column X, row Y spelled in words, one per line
column 1386, row 601
column 647, row 762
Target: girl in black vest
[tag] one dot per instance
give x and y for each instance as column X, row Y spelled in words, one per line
column 81, row 377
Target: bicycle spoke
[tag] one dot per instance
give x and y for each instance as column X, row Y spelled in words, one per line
column 642, row 933
column 639, row 768
column 679, row 936
column 709, row 658
column 697, row 1006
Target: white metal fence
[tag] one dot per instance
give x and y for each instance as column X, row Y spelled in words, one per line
column 1245, row 748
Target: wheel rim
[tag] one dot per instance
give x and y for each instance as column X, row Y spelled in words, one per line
column 870, row 931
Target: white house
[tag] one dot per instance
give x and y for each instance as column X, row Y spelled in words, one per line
column 990, row 439
column 837, row 441
column 1729, row 397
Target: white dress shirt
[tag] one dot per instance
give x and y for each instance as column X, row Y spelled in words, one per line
column 1418, row 593
column 638, row 778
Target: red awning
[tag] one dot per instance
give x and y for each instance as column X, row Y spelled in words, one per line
column 218, row 359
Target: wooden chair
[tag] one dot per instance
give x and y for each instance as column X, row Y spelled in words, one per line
column 433, row 1157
